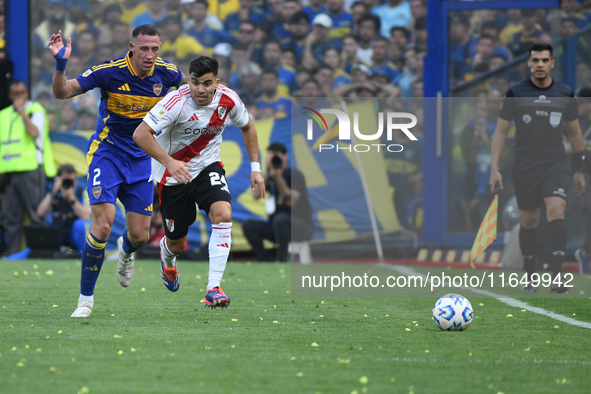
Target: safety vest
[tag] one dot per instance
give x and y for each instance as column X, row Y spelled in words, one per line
column 18, row 152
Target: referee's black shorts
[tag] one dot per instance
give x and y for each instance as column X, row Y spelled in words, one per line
column 534, row 184
column 177, row 203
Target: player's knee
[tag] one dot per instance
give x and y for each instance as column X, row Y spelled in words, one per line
column 101, row 229
column 138, row 237
column 555, row 213
column 221, row 216
column 530, row 222
column 176, row 246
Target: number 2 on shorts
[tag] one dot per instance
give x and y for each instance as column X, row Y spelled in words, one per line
column 215, row 180
column 97, row 173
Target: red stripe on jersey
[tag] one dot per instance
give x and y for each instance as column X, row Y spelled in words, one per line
column 195, row 148
column 230, row 92
column 175, row 99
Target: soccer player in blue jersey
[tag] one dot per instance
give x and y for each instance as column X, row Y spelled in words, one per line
column 130, row 86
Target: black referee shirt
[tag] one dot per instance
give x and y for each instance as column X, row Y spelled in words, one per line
column 540, row 115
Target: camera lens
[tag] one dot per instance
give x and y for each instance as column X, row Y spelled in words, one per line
column 67, row 183
column 276, row 162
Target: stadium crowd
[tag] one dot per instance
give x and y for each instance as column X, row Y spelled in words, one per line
column 273, row 52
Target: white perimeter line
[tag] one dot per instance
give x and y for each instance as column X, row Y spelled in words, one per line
column 509, row 301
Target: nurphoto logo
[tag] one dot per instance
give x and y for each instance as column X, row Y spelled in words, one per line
column 345, row 130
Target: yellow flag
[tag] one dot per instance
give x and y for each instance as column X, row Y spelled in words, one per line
column 487, row 232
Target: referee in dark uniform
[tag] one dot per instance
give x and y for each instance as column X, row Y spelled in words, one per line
column 541, row 108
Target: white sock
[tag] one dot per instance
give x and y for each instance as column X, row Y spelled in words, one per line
column 219, row 250
column 166, row 255
column 86, row 298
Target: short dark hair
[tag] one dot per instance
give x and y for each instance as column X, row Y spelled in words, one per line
column 376, row 21
column 204, row 2
column 584, row 92
column 202, row 65
column 66, row 168
column 298, row 16
column 270, row 71
column 486, row 37
column 402, row 29
column 170, row 18
column 147, row 30
column 277, row 147
column 539, row 47
column 15, row 82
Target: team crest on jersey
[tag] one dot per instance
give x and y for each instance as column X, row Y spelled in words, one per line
column 555, row 118
column 170, row 225
column 96, row 191
column 87, row 72
column 157, row 88
column 222, row 111
column 526, row 118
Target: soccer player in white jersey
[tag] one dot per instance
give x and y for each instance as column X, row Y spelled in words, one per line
column 186, row 164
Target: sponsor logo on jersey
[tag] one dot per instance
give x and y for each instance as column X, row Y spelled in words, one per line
column 206, row 130
column 87, row 73
column 526, row 118
column 124, row 87
column 223, row 246
column 222, row 111
column 560, row 192
column 96, row 191
column 170, row 225
column 555, row 118
column 542, row 99
column 133, row 107
column 193, row 118
column 157, row 88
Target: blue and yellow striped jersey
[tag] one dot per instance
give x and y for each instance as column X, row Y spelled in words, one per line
column 126, row 99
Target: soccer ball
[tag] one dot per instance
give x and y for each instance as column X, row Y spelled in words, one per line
column 453, row 312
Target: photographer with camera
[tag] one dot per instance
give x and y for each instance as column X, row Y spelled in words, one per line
column 65, row 204
column 288, row 208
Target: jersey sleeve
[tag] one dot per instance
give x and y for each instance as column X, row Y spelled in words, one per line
column 165, row 112
column 572, row 109
column 507, row 110
column 239, row 114
column 94, row 77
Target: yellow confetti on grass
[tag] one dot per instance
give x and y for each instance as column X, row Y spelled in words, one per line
column 266, row 292
column 299, row 374
column 363, row 380
column 523, row 310
column 233, row 346
column 481, row 304
column 407, row 329
column 20, row 364
column 116, row 336
column 547, row 341
column 527, row 350
column 556, row 326
column 314, row 344
column 132, row 350
column 49, row 272
column 292, row 358
column 509, row 315
column 143, row 289
column 16, row 273
column 234, row 319
column 27, row 346
column 427, row 351
column 275, row 322
column 60, row 331
column 84, row 390
column 120, row 352
column 38, row 350
column 55, row 305
column 343, row 361
column 52, row 369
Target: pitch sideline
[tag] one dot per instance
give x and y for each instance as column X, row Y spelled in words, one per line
column 509, row 301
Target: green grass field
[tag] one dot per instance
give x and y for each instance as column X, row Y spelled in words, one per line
column 144, row 339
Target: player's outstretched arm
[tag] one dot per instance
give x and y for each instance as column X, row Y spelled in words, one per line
column 62, row 87
column 144, row 138
column 251, row 142
column 576, row 142
column 498, row 142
